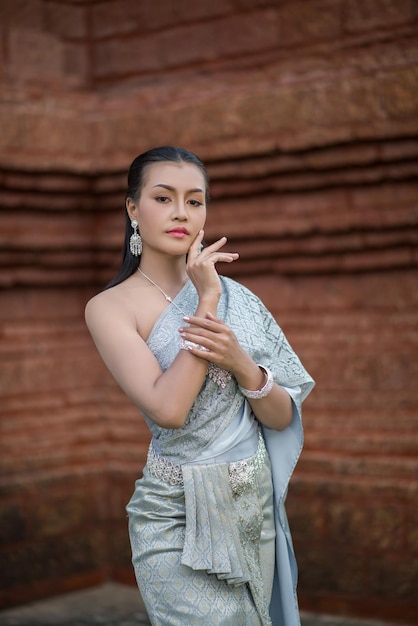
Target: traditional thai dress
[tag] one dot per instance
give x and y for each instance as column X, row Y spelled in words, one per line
column 210, row 540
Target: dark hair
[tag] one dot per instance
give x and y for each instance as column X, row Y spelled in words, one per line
column 136, row 177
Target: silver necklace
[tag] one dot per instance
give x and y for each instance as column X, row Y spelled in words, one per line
column 166, row 296
column 219, row 376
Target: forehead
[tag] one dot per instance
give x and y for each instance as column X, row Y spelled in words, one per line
column 177, row 175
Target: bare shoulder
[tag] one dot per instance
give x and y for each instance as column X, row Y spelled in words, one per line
column 128, row 306
column 99, row 302
column 108, row 303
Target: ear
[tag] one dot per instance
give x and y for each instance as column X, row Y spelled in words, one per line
column 131, row 209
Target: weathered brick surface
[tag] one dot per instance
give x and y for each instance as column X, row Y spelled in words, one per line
column 369, row 14
column 259, row 90
column 185, row 45
column 23, row 13
column 63, row 426
column 67, row 21
column 351, row 509
column 306, row 114
column 303, row 22
column 34, row 54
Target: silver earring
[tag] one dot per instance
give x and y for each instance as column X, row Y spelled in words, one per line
column 135, row 242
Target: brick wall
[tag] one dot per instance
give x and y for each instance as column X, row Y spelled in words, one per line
column 65, row 429
column 306, row 114
column 352, row 500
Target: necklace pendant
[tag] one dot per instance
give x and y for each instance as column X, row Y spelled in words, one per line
column 168, row 298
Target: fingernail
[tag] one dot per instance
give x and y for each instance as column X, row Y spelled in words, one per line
column 186, row 318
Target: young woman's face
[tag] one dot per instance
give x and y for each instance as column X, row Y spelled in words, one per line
column 171, row 209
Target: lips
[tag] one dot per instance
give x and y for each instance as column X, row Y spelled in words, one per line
column 178, row 231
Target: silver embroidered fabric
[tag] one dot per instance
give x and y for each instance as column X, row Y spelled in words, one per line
column 244, row 473
column 214, row 408
column 241, row 473
column 221, row 574
column 197, row 531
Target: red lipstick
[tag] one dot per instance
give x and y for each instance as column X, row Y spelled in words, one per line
column 179, row 231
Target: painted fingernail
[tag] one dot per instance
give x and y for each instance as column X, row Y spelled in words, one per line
column 186, row 318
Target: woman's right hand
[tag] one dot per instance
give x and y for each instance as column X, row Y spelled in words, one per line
column 201, row 266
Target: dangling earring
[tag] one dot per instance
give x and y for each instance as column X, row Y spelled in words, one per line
column 135, row 242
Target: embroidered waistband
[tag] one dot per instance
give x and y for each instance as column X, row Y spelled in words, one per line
column 241, row 473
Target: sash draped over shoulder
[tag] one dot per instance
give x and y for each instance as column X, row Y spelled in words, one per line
column 220, row 429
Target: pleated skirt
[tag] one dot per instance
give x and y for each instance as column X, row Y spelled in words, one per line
column 175, row 594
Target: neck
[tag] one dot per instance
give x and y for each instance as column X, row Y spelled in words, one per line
column 167, row 271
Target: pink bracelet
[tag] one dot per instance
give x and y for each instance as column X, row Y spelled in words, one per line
column 265, row 389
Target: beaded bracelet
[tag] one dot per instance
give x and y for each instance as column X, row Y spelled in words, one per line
column 188, row 345
column 265, row 389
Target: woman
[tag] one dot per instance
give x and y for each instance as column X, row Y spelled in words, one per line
column 217, row 383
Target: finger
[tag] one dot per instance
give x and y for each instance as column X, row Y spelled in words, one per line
column 196, row 323
column 195, row 348
column 197, row 337
column 215, row 246
column 224, row 257
column 196, row 243
column 210, row 316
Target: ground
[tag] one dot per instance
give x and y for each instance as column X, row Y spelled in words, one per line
column 112, row 604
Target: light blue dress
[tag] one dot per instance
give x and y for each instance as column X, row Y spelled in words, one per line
column 210, row 540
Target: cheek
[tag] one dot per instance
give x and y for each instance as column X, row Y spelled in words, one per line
column 148, row 219
column 203, row 217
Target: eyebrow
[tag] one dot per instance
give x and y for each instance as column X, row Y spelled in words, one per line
column 169, row 188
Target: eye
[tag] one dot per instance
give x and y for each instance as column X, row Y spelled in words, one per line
column 195, row 203
column 162, row 199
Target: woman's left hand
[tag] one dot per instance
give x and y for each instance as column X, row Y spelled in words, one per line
column 214, row 340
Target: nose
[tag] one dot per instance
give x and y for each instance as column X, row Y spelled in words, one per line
column 180, row 210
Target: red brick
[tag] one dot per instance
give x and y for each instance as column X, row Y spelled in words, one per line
column 367, row 14
column 398, row 91
column 121, row 57
column 340, row 459
column 301, row 510
column 62, row 514
column 76, row 64
column 52, row 559
column 48, row 231
column 412, row 532
column 117, row 17
column 127, row 16
column 385, row 194
column 398, row 581
column 187, row 44
column 12, row 130
column 34, row 54
column 22, row 14
column 13, row 523
column 65, row 20
column 252, row 4
column 384, row 524
column 38, row 304
column 320, row 570
column 307, row 22
column 54, row 133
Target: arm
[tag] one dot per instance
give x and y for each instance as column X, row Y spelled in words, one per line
column 275, row 410
column 166, row 398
